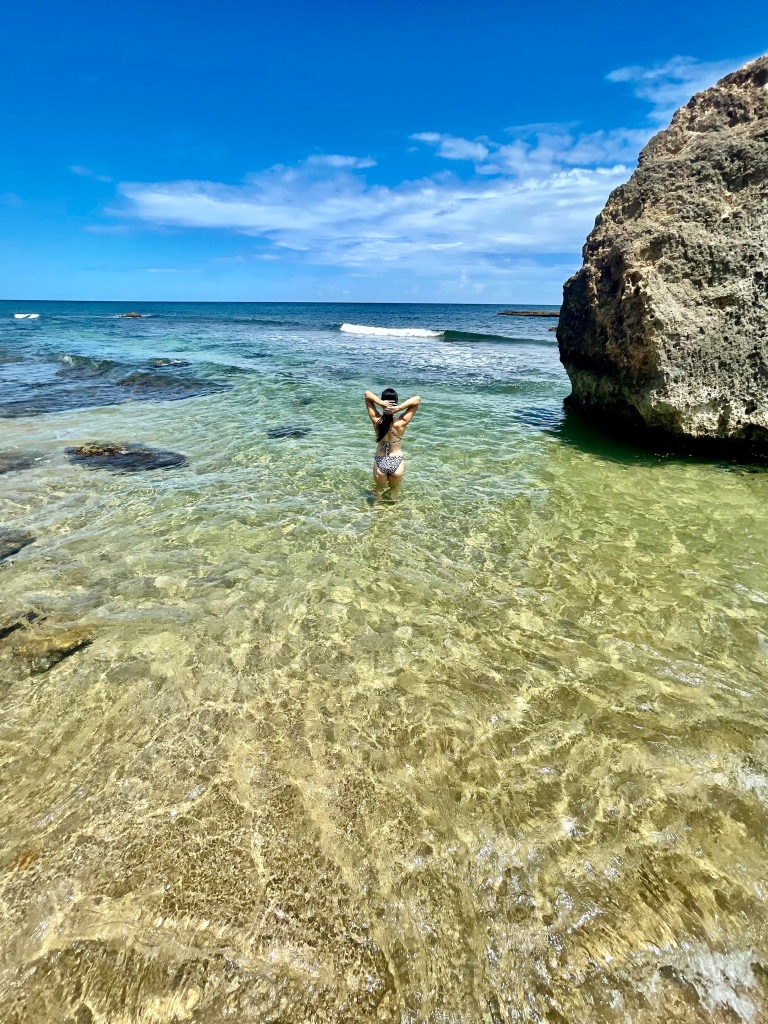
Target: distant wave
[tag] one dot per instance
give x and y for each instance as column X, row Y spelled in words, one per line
column 391, row 332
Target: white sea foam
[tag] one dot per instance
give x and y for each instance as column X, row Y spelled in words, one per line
column 26, row 316
column 391, row 332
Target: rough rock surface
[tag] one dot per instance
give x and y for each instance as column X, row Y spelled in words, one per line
column 124, row 458
column 11, row 623
column 665, row 327
column 39, row 654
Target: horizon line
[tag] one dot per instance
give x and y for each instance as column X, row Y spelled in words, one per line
column 289, row 302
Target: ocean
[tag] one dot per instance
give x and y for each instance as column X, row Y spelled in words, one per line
column 495, row 751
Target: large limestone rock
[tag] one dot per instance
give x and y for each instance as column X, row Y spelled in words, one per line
column 665, row 327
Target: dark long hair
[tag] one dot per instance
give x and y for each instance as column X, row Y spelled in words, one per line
column 382, row 427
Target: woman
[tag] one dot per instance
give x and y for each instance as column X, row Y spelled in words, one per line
column 389, row 462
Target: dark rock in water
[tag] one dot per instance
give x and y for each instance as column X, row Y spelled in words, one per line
column 12, row 541
column 17, row 620
column 77, row 382
column 11, row 462
column 552, row 329
column 170, row 362
column 124, row 458
column 303, row 399
column 37, row 403
column 164, row 387
column 40, row 653
column 132, row 316
column 528, row 312
column 664, row 330
column 289, row 431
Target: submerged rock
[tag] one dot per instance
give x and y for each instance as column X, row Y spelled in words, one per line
column 130, row 316
column 15, row 621
column 665, row 327
column 40, row 653
column 124, row 458
column 12, row 541
column 289, row 431
column 73, row 381
column 11, row 462
column 166, row 387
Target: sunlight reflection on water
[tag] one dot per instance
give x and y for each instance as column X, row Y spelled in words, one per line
column 496, row 752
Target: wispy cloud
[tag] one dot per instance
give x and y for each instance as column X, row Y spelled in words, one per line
column 669, row 85
column 86, row 172
column 11, row 199
column 453, row 147
column 542, row 149
column 355, row 163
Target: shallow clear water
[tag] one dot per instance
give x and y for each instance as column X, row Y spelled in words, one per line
column 496, row 751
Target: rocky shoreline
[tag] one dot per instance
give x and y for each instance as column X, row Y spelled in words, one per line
column 528, row 312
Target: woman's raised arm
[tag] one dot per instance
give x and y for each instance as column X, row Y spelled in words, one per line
column 410, row 405
column 371, row 403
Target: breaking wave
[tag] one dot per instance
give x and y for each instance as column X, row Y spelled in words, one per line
column 455, row 336
column 391, row 332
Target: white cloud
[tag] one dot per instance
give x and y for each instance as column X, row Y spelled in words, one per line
column 336, row 160
column 669, row 85
column 452, row 147
column 86, row 172
column 338, row 218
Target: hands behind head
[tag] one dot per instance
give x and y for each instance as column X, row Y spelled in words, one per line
column 390, row 407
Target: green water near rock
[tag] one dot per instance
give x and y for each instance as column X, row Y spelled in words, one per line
column 493, row 752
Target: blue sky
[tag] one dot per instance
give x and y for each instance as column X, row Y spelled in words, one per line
column 379, row 151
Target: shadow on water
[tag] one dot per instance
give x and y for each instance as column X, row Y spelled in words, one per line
column 638, row 449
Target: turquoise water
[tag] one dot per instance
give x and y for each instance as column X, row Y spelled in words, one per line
column 495, row 751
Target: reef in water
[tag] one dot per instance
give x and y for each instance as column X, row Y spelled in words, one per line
column 124, row 458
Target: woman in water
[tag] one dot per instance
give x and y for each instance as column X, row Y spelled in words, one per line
column 389, row 462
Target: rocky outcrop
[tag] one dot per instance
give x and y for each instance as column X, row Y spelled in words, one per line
column 665, row 327
column 124, row 458
column 529, row 312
